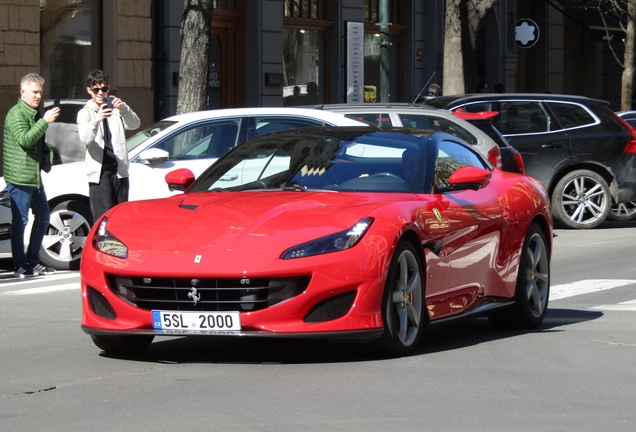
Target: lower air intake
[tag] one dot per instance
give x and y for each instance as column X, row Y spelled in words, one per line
column 100, row 305
column 331, row 308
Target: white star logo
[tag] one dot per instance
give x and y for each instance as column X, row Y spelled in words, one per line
column 525, row 33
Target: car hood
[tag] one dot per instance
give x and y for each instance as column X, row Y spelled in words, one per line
column 236, row 225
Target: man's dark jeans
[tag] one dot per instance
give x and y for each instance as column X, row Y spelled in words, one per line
column 22, row 199
column 106, row 194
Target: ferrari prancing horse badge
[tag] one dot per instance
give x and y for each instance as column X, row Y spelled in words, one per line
column 438, row 215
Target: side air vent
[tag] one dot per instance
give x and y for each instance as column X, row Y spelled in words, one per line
column 100, row 305
column 331, row 308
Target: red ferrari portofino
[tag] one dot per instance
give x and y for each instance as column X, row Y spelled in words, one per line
column 352, row 233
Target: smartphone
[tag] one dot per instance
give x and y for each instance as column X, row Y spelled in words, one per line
column 109, row 102
column 56, row 103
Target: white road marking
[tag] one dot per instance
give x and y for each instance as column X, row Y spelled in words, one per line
column 40, row 290
column 586, row 286
column 7, row 281
column 628, row 306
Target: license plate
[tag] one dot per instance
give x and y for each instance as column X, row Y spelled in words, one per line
column 196, row 321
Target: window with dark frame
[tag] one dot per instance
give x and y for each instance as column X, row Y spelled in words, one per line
column 70, row 43
column 304, row 59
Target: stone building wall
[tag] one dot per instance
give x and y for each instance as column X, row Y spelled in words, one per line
column 128, row 55
column 19, row 50
column 134, row 50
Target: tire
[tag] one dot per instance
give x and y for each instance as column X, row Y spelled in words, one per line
column 623, row 212
column 403, row 302
column 65, row 236
column 122, row 344
column 533, row 285
column 581, row 200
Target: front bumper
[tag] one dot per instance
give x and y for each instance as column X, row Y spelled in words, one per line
column 357, row 335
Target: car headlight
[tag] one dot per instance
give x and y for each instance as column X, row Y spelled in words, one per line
column 332, row 243
column 107, row 243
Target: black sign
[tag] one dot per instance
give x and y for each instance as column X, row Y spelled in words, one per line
column 274, row 79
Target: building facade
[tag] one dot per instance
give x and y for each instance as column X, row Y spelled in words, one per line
column 293, row 52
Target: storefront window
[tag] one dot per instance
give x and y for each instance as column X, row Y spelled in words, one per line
column 68, row 41
column 304, row 8
column 303, row 54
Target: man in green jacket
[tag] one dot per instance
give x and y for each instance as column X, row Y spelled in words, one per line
column 24, row 130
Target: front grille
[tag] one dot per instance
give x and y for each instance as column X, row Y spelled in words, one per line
column 193, row 294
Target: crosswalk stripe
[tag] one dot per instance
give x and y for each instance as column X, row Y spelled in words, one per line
column 586, row 286
column 627, row 306
column 39, row 290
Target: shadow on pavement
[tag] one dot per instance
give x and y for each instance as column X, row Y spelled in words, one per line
column 263, row 350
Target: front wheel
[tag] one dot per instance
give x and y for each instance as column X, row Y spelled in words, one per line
column 66, row 234
column 581, row 200
column 403, row 302
column 533, row 285
column 623, row 212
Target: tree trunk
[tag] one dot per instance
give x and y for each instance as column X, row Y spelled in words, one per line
column 628, row 62
column 463, row 23
column 195, row 55
column 453, row 60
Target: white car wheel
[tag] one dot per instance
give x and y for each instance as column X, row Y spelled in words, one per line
column 66, row 234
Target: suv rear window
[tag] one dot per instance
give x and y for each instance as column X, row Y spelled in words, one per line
column 571, row 115
column 521, row 117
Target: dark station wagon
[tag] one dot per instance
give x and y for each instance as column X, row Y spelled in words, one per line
column 582, row 152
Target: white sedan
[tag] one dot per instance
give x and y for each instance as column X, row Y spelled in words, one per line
column 193, row 141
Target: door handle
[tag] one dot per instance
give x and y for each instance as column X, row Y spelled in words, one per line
column 551, row 146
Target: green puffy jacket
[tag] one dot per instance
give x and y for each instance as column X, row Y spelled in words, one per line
column 23, row 129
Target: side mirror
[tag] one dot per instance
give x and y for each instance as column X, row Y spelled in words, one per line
column 467, row 178
column 180, row 179
column 153, row 156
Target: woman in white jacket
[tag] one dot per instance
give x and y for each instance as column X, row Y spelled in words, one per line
column 102, row 124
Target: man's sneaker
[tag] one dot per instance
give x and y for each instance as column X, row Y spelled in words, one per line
column 41, row 269
column 25, row 271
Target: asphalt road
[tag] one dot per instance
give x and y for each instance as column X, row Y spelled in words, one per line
column 576, row 372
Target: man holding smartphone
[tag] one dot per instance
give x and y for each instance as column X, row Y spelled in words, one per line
column 24, row 129
column 102, row 124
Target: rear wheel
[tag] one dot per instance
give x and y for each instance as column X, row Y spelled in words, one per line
column 403, row 302
column 622, row 212
column 581, row 200
column 66, row 234
column 533, row 285
column 123, row 344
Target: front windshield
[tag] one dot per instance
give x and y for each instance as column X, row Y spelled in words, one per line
column 140, row 137
column 296, row 161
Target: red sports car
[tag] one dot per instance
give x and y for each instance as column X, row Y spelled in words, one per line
column 352, row 233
